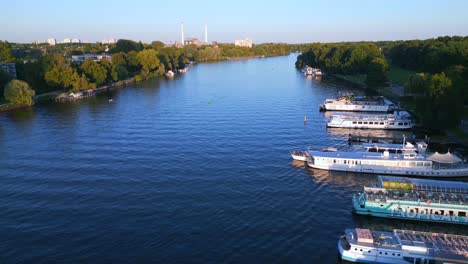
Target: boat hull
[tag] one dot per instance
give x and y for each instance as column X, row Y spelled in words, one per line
column 412, row 214
column 358, row 126
column 298, row 157
column 443, row 173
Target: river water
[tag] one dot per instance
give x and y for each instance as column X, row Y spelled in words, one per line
column 194, row 169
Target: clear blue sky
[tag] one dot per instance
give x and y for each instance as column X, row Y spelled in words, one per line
column 264, row 21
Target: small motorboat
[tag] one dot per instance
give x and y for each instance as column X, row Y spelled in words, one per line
column 299, row 155
column 169, row 74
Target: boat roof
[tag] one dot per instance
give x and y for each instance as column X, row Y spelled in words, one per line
column 442, row 246
column 437, row 245
column 424, row 184
column 444, row 158
column 363, row 155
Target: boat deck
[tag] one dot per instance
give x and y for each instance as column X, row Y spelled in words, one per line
column 437, row 245
column 423, row 184
column 440, row 245
column 363, row 155
column 381, row 194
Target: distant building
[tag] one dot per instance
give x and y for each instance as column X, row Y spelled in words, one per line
column 39, row 41
column 66, row 40
column 9, row 68
column 192, row 41
column 51, row 41
column 243, row 43
column 95, row 57
column 75, row 40
column 109, row 41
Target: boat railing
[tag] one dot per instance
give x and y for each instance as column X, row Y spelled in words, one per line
column 384, row 195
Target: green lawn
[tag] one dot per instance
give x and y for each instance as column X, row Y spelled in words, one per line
column 399, row 75
column 359, row 79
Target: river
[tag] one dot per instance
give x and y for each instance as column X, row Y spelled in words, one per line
column 194, row 169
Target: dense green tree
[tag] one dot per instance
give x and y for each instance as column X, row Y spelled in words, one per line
column 6, row 54
column 60, row 76
column 4, row 79
column 377, row 72
column 94, row 71
column 133, row 62
column 148, row 60
column 125, row 45
column 417, row 84
column 81, row 84
column 157, row 45
column 19, row 93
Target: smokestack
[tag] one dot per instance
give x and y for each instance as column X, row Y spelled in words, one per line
column 182, row 40
column 206, row 34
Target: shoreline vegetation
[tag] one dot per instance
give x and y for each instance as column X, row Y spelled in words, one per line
column 50, row 71
column 427, row 77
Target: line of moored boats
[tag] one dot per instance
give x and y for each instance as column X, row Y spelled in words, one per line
column 396, row 197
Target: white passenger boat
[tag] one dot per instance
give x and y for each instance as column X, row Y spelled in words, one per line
column 350, row 102
column 409, row 163
column 402, row 246
column 398, row 120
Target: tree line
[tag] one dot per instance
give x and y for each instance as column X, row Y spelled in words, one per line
column 49, row 68
column 441, row 80
column 347, row 59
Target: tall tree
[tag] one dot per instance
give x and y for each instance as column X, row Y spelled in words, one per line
column 148, row 60
column 94, row 71
column 19, row 93
column 377, row 72
column 6, row 55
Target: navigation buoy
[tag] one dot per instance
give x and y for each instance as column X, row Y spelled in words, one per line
column 305, row 119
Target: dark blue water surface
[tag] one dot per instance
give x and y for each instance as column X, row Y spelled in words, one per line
column 193, row 170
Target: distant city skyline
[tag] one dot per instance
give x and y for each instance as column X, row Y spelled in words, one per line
column 262, row 21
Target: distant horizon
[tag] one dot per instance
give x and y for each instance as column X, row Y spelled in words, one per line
column 59, row 41
column 263, row 21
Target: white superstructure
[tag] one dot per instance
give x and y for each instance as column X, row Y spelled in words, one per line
column 349, row 102
column 389, row 121
column 409, row 162
column 402, row 246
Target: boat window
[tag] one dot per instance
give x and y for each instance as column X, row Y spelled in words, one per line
column 412, row 163
column 427, row 163
column 334, row 161
column 391, row 123
column 405, row 124
column 360, row 123
column 420, row 163
column 344, row 161
column 381, row 123
column 365, row 123
column 400, row 124
column 462, row 214
column 354, row 122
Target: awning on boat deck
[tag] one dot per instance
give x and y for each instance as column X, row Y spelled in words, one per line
column 444, row 158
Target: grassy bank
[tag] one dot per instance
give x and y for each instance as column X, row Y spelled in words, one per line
column 399, row 76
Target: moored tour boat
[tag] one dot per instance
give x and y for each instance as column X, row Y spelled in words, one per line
column 363, row 121
column 402, row 246
column 409, row 163
column 415, row 199
column 350, row 102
